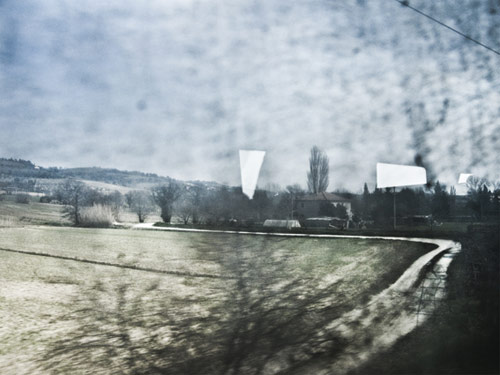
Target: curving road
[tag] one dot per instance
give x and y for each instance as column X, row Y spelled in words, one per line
column 389, row 315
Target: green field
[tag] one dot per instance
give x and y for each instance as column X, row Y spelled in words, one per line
column 40, row 297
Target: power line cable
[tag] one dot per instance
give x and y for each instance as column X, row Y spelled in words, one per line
column 406, row 3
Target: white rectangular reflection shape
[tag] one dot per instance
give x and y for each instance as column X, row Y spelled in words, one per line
column 392, row 175
column 462, row 179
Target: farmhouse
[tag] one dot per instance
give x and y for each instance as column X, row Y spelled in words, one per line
column 314, row 205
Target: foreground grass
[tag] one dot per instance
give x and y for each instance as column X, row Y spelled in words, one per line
column 201, row 252
column 41, row 297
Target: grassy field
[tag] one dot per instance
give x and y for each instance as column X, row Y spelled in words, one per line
column 34, row 213
column 47, row 303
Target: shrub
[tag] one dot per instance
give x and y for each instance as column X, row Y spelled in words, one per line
column 96, row 216
column 6, row 222
column 45, row 199
column 23, row 198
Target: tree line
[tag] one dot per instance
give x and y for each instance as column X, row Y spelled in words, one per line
column 481, row 203
column 189, row 202
column 198, row 204
column 211, row 204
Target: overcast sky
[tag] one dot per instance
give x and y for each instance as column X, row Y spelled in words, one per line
column 176, row 87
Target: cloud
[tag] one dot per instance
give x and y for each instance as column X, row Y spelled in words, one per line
column 178, row 87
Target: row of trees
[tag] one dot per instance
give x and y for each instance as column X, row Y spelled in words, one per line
column 482, row 199
column 197, row 203
column 482, row 202
column 191, row 203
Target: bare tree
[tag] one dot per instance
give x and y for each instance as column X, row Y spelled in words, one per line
column 295, row 190
column 72, row 194
column 478, row 196
column 165, row 196
column 140, row 203
column 188, row 206
column 284, row 207
column 317, row 177
column 475, row 184
column 184, row 207
column 115, row 201
column 196, row 195
column 184, row 210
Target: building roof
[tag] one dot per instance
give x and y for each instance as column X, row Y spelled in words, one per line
column 324, row 218
column 323, row 197
column 282, row 223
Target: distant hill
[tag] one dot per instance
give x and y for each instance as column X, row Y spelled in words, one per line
column 18, row 172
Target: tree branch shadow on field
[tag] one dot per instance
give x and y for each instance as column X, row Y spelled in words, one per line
column 262, row 321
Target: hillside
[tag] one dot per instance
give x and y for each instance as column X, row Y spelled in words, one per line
column 25, row 175
column 18, row 168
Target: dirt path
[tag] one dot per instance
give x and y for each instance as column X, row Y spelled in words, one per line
column 389, row 315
